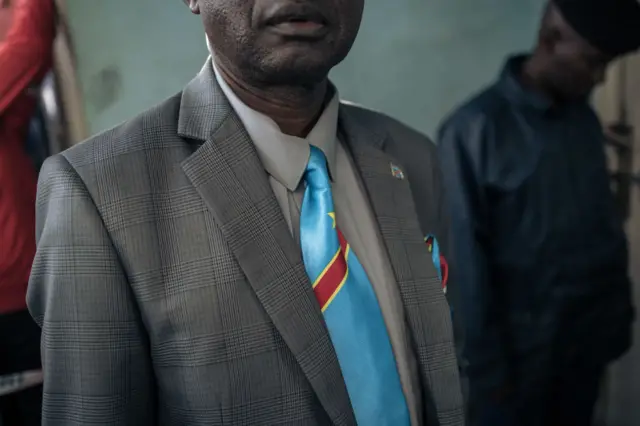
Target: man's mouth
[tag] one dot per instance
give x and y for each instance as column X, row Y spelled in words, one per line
column 298, row 23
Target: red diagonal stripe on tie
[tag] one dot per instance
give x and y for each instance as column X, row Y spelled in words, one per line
column 329, row 282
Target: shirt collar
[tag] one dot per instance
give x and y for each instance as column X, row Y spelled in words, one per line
column 285, row 157
column 509, row 83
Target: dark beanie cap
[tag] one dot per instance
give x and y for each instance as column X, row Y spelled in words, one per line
column 611, row 26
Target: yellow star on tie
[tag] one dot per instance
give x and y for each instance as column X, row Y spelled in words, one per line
column 333, row 216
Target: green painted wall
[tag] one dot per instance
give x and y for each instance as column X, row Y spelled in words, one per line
column 414, row 59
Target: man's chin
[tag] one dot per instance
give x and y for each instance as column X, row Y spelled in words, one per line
column 295, row 71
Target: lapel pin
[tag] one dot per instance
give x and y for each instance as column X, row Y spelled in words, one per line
column 396, row 172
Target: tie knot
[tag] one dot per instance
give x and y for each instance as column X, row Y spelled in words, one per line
column 317, row 174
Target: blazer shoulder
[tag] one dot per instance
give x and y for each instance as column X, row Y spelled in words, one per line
column 415, row 152
column 398, row 132
column 135, row 134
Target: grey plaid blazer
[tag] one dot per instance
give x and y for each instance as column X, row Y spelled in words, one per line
column 170, row 291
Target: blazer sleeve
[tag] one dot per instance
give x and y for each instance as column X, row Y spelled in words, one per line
column 95, row 350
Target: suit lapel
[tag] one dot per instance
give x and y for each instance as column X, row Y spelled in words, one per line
column 425, row 306
column 389, row 192
column 229, row 176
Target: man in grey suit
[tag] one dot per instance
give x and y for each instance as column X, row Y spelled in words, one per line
column 170, row 281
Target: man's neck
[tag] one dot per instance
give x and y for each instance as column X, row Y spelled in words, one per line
column 294, row 109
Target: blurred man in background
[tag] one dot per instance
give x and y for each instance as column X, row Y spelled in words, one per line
column 25, row 57
column 545, row 294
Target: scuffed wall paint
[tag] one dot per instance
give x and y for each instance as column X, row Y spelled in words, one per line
column 132, row 54
column 105, row 88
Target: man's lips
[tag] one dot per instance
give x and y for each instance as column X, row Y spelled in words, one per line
column 296, row 17
column 300, row 29
column 298, row 23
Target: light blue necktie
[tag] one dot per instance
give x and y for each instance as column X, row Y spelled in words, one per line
column 350, row 307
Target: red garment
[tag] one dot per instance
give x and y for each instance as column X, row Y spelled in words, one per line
column 6, row 15
column 25, row 57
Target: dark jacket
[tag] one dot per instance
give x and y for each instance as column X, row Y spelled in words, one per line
column 540, row 250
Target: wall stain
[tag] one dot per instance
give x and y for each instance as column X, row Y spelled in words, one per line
column 105, row 88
